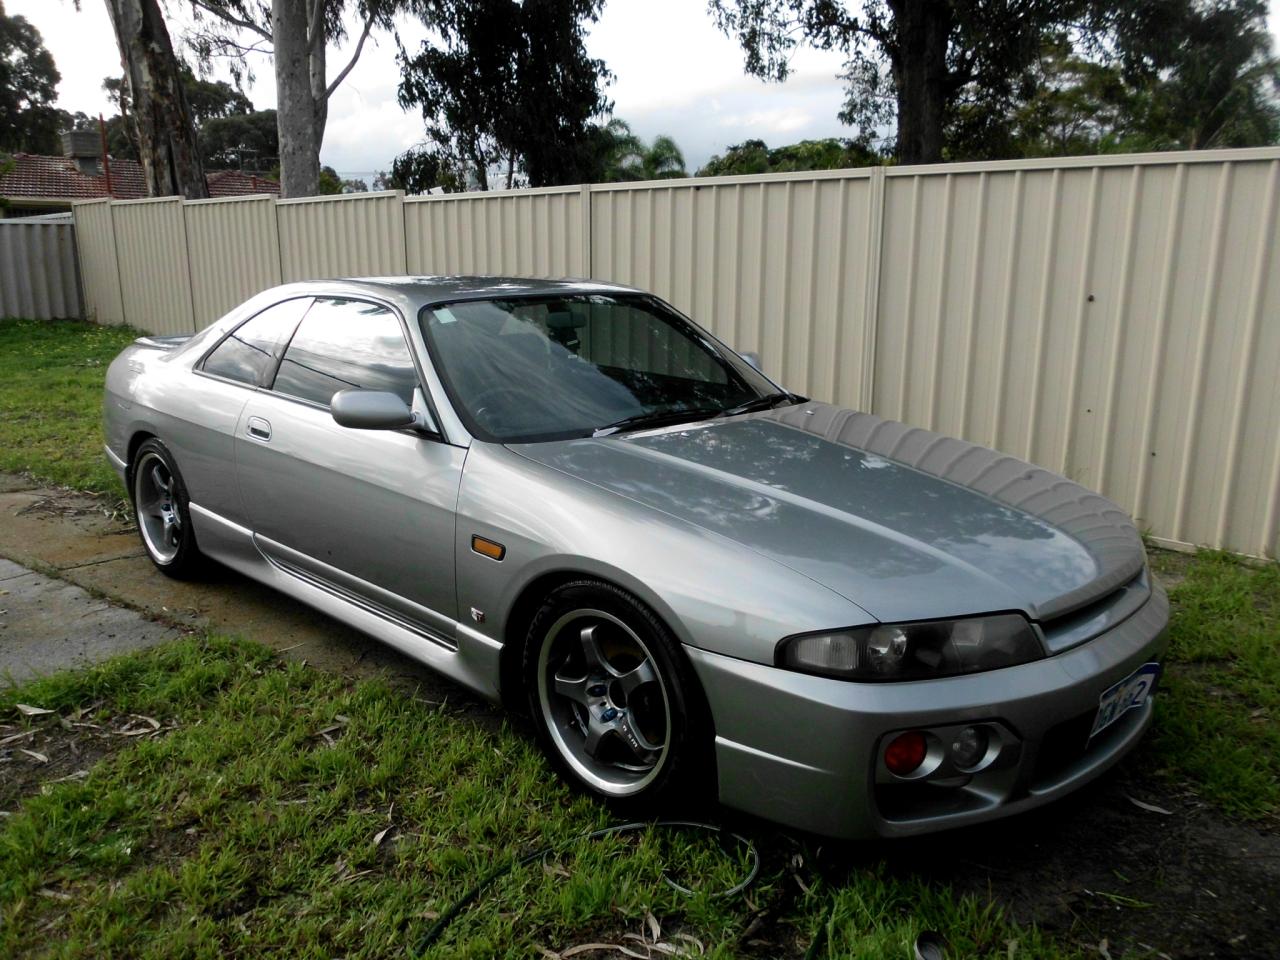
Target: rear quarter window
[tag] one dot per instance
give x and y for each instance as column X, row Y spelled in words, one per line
column 250, row 353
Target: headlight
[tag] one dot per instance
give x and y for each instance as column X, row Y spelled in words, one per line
column 914, row 651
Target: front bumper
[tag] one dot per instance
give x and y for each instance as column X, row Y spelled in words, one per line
column 801, row 750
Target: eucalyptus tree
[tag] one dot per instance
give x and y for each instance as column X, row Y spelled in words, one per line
column 296, row 34
column 507, row 89
column 161, row 114
column 28, row 88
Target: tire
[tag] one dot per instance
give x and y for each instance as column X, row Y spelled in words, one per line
column 161, row 509
column 616, row 705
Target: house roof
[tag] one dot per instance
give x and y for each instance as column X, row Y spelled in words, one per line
column 58, row 178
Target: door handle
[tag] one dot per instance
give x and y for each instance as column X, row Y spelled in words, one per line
column 259, row 429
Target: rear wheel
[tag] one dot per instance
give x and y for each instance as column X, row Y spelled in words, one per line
column 161, row 511
column 613, row 699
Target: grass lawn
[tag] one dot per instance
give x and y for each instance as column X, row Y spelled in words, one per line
column 1218, row 719
column 51, row 376
column 280, row 811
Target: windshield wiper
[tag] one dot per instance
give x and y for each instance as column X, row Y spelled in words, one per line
column 655, row 419
column 767, row 402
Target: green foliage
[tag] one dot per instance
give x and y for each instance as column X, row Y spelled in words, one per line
column 240, row 139
column 754, row 156
column 330, row 182
column 29, row 122
column 508, row 87
column 230, row 133
column 51, row 377
column 422, row 170
column 987, row 79
column 1217, row 86
column 619, row 155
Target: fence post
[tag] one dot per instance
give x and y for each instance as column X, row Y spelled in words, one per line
column 585, row 213
column 871, row 301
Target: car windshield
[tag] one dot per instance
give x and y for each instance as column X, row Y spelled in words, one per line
column 526, row 369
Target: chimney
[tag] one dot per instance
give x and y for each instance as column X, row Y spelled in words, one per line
column 85, row 148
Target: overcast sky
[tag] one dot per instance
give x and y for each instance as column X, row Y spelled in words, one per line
column 676, row 74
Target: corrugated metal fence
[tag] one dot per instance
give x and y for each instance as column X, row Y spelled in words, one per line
column 1116, row 319
column 38, row 276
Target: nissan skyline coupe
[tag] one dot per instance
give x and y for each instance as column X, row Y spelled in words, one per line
column 572, row 499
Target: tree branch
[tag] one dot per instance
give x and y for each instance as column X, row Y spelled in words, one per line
column 364, row 35
column 228, row 17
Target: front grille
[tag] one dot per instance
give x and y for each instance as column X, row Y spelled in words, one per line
column 1104, row 613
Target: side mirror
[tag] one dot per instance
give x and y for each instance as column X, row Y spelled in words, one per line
column 372, row 410
column 752, row 358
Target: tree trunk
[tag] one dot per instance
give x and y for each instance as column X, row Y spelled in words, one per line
column 300, row 115
column 162, row 118
column 919, row 61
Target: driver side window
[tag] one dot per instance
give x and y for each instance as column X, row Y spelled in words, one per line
column 343, row 345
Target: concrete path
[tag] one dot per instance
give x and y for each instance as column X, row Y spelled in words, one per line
column 48, row 624
column 78, row 539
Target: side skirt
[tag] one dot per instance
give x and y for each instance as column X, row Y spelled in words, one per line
column 471, row 659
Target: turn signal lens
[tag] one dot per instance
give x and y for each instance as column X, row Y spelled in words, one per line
column 906, row 752
column 488, row 548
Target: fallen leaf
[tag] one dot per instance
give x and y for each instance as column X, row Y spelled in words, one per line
column 655, row 929
column 381, row 835
column 29, row 711
column 35, row 756
column 555, row 870
column 53, row 894
column 587, row 948
column 17, row 736
column 1103, row 948
column 689, row 938
column 1149, row 807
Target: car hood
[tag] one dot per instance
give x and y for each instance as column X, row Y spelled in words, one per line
column 905, row 523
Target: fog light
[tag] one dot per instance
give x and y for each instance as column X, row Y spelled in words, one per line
column 905, row 752
column 969, row 747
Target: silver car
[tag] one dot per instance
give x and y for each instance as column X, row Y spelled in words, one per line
column 569, row 497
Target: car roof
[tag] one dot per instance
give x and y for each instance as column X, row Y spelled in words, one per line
column 424, row 290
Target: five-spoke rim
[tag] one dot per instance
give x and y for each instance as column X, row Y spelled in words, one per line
column 604, row 701
column 155, row 497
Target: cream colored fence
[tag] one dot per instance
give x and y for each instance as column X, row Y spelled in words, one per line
column 38, row 275
column 1113, row 318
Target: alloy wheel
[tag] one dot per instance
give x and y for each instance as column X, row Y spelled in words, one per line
column 155, row 499
column 604, row 702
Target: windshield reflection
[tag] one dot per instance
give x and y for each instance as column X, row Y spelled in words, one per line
column 551, row 367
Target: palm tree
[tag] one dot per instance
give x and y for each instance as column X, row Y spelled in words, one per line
column 629, row 158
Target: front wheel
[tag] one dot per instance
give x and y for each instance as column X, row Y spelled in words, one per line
column 614, row 701
column 160, row 509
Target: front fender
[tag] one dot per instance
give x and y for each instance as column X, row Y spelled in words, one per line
column 713, row 593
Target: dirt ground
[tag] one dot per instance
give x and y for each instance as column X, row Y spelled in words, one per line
column 1125, row 867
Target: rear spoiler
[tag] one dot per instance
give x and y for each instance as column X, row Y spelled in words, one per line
column 163, row 343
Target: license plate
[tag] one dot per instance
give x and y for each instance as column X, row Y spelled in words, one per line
column 1130, row 692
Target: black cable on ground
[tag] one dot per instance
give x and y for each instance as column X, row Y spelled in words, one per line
column 442, row 922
